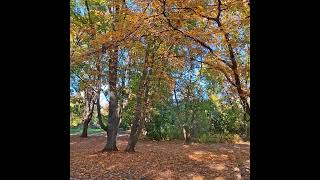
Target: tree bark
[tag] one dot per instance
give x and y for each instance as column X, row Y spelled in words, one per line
column 188, row 126
column 88, row 112
column 234, row 65
column 86, row 122
column 93, row 94
column 113, row 118
column 135, row 128
column 142, row 100
column 234, row 68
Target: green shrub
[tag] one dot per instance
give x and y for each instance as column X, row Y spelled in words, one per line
column 124, row 125
column 218, row 138
column 174, row 133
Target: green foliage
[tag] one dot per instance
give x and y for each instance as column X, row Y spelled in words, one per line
column 76, row 110
column 75, row 121
column 157, row 128
column 212, row 122
column 124, row 125
column 218, row 138
column 162, row 125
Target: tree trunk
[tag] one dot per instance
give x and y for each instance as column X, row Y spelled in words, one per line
column 86, row 124
column 192, row 128
column 186, row 134
column 175, row 94
column 88, row 112
column 142, row 100
column 84, row 133
column 187, row 128
column 135, row 131
column 113, row 118
column 91, row 98
column 136, row 124
column 137, row 127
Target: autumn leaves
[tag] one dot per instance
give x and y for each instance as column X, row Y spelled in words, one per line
column 100, row 30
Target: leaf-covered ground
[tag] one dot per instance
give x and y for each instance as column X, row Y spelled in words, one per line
column 158, row 160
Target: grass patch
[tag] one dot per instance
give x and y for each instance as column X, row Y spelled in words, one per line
column 78, row 131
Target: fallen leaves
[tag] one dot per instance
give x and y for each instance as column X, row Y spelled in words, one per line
column 158, row 160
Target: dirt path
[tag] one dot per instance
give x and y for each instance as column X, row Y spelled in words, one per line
column 158, row 160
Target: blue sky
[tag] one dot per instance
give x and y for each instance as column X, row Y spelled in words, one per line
column 103, row 100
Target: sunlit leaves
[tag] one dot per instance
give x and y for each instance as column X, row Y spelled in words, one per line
column 173, row 36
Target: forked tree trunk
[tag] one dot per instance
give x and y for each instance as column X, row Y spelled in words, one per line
column 136, row 124
column 86, row 122
column 136, row 128
column 89, row 97
column 142, row 100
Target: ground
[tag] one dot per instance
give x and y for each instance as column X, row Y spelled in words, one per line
column 158, row 160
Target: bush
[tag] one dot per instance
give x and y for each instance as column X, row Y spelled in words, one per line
column 218, row 138
column 124, row 125
column 75, row 121
column 165, row 131
column 153, row 132
column 174, row 133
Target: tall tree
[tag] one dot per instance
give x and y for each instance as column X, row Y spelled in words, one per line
column 115, row 9
column 142, row 97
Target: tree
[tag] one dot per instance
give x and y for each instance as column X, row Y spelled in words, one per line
column 142, row 96
column 191, row 57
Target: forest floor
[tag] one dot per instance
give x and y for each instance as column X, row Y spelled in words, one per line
column 158, row 160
